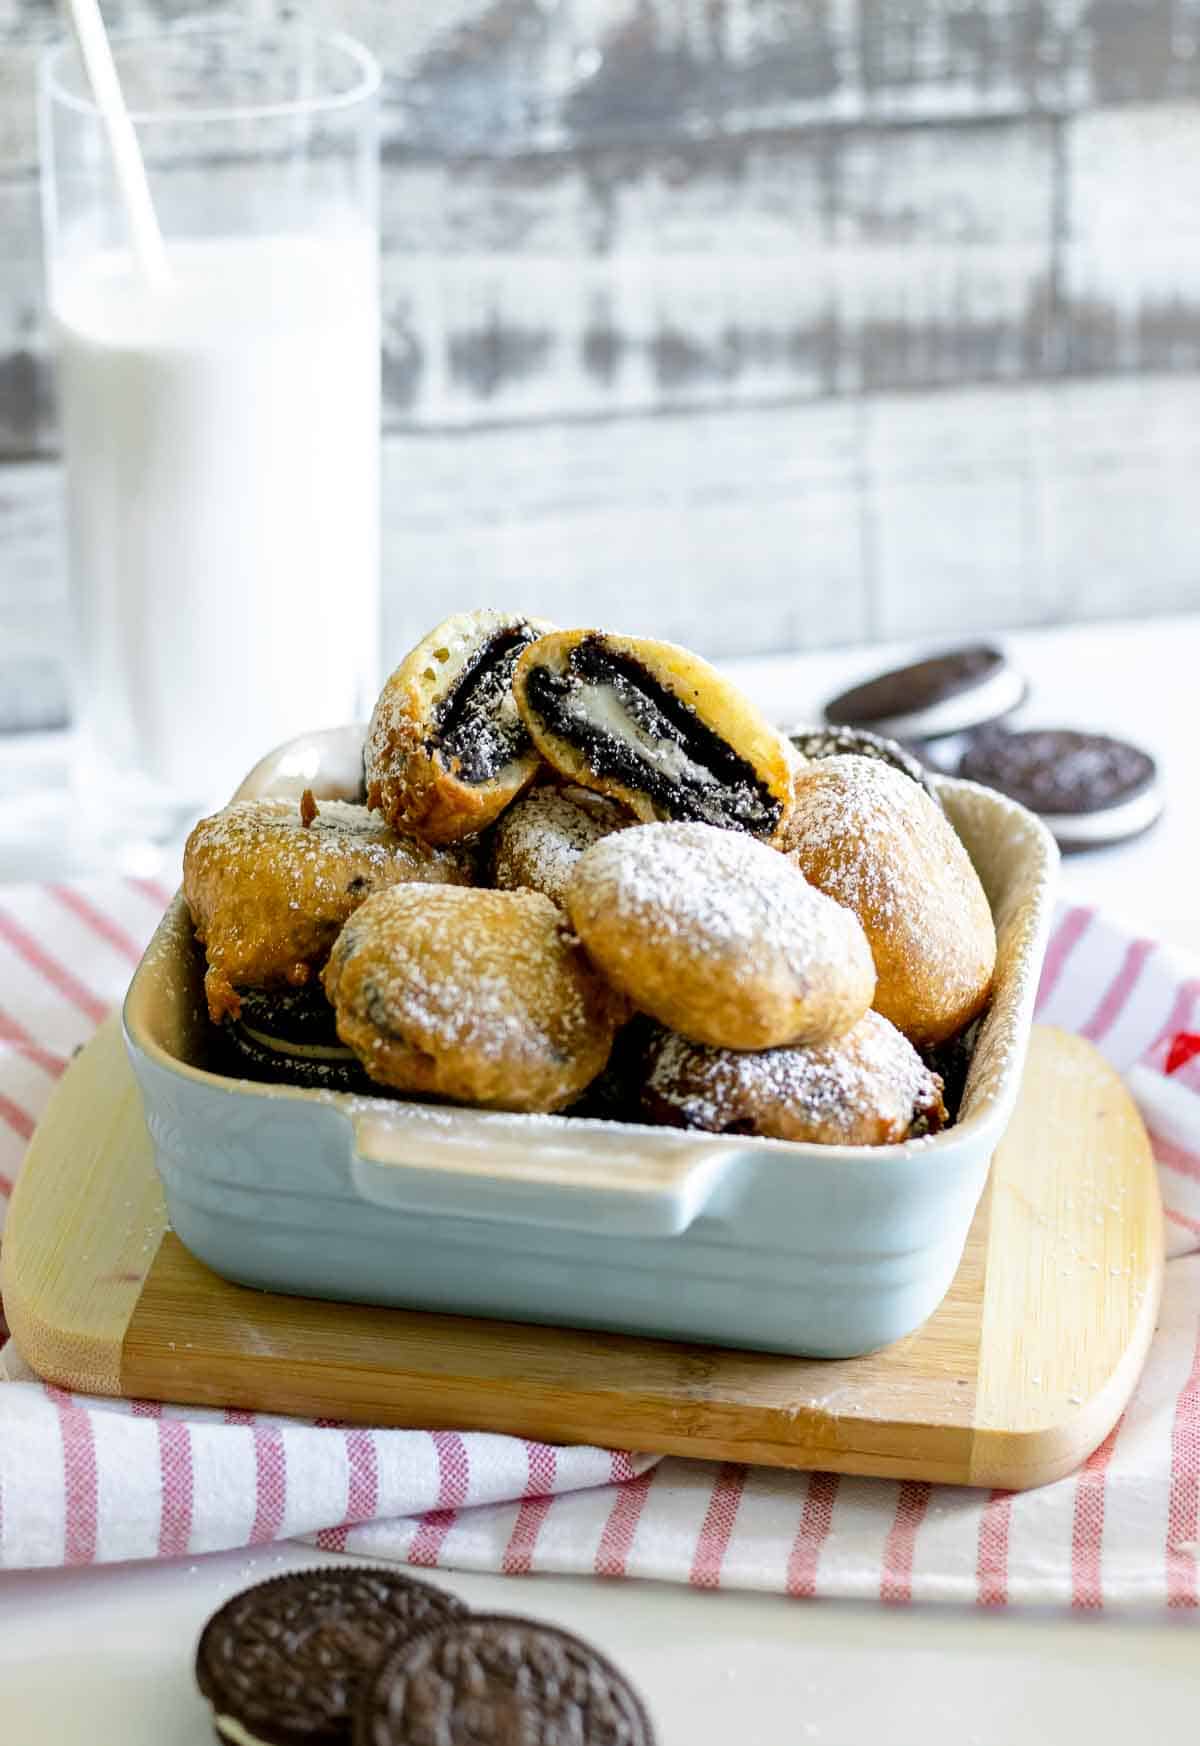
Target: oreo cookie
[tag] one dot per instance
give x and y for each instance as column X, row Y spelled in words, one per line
column 841, row 742
column 945, row 694
column 284, row 1663
column 506, row 1681
column 1089, row 790
column 290, row 1034
column 951, row 1061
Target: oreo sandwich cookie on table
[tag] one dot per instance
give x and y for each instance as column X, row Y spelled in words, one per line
column 284, row 1663
column 1088, row 789
column 503, row 1681
column 943, row 695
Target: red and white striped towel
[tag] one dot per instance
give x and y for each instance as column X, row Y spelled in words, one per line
column 86, row 1480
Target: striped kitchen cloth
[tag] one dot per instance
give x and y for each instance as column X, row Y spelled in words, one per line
column 85, row 1480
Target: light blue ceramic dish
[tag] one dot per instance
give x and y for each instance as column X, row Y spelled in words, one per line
column 828, row 1251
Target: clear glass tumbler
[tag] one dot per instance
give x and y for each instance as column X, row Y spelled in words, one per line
column 221, row 434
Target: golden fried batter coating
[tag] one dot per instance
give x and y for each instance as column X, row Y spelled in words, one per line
column 720, row 937
column 268, row 892
column 481, row 997
column 540, row 838
column 446, row 750
column 655, row 727
column 873, row 840
column 869, row 1088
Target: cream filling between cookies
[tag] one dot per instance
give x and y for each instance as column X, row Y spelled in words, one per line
column 604, row 707
column 230, row 1729
column 479, row 731
column 302, row 1051
column 1125, row 819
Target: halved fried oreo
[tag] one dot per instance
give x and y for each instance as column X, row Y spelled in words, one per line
column 446, row 750
column 655, row 727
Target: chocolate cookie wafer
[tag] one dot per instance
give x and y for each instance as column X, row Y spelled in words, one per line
column 290, row 1034
column 282, row 1663
column 944, row 694
column 506, row 1681
column 1089, row 789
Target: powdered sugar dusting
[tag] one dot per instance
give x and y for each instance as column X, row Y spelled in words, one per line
column 719, row 937
column 457, row 975
column 268, row 892
column 846, row 806
column 541, row 837
column 869, row 1088
column 717, row 894
column 873, row 841
column 483, row 990
column 431, row 668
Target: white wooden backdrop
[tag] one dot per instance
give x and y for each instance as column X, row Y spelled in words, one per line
column 762, row 321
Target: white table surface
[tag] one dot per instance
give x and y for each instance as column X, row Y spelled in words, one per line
column 103, row 1657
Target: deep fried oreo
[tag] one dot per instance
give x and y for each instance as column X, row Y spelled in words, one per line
column 481, row 997
column 869, row 1088
column 656, row 728
column 446, row 750
column 269, row 891
column 291, row 1035
column 717, row 936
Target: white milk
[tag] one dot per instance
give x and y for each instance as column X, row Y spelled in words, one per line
column 223, row 489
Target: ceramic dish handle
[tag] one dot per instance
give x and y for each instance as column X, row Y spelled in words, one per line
column 581, row 1177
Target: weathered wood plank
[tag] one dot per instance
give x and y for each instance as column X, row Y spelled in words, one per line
column 730, row 202
column 744, row 532
column 729, row 209
column 1131, row 290
column 27, row 423
column 795, row 266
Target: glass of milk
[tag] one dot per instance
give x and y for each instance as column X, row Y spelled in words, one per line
column 221, row 433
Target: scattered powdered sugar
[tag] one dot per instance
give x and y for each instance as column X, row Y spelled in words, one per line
column 431, row 667
column 853, row 819
column 714, row 894
column 869, row 1088
column 277, row 832
column 872, row 840
column 404, row 712
column 496, row 973
column 268, row 892
column 541, row 837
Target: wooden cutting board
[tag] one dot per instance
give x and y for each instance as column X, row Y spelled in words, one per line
column 1012, row 1382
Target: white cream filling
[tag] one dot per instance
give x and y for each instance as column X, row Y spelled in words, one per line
column 954, row 715
column 1124, row 819
column 604, row 707
column 229, row 1729
column 304, row 1051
